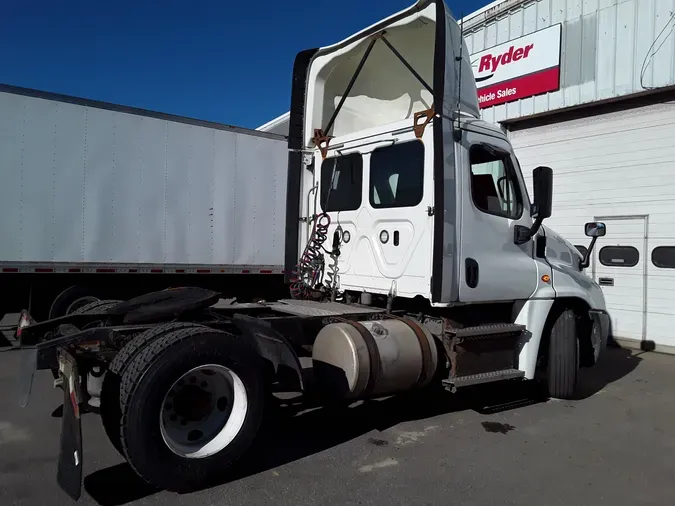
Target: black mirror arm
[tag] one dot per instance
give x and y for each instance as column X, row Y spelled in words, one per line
column 523, row 234
column 586, row 261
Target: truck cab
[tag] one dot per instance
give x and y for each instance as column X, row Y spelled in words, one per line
column 399, row 190
column 424, row 198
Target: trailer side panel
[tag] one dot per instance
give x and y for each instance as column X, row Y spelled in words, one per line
column 82, row 184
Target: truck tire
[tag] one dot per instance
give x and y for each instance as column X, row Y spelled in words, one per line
column 192, row 403
column 111, row 413
column 97, row 306
column 563, row 356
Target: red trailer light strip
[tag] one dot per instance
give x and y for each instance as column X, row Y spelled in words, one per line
column 133, row 270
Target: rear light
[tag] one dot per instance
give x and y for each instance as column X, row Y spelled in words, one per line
column 24, row 321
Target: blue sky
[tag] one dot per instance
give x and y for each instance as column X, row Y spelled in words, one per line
column 220, row 60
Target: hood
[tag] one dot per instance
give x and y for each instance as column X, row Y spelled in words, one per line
column 560, row 249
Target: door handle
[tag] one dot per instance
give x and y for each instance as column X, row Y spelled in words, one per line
column 606, row 281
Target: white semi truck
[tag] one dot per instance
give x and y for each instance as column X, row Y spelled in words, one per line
column 415, row 259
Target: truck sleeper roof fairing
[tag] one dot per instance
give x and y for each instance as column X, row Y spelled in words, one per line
column 385, row 91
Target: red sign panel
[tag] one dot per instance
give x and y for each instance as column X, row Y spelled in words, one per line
column 521, row 87
column 520, row 68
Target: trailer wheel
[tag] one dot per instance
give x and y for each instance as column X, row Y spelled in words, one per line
column 563, row 356
column 69, row 300
column 192, row 403
column 111, row 413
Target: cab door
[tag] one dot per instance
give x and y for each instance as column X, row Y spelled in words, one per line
column 494, row 201
column 380, row 199
column 399, row 204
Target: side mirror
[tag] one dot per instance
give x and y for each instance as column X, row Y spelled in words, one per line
column 542, row 182
column 595, row 229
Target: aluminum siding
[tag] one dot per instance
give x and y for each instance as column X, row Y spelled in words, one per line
column 82, row 184
column 604, row 46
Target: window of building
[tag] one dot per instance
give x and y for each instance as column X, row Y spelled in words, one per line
column 619, row 256
column 664, row 257
column 346, row 174
column 582, row 249
column 494, row 187
column 397, row 175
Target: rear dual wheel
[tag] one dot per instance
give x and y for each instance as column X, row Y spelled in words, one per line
column 191, row 403
column 111, row 411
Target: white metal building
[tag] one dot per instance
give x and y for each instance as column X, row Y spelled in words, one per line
column 587, row 87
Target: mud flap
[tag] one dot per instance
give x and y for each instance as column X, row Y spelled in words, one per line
column 29, row 359
column 69, row 472
column 272, row 346
column 599, row 332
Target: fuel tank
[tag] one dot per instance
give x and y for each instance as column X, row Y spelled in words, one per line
column 355, row 360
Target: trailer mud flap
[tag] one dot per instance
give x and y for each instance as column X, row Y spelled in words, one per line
column 69, row 472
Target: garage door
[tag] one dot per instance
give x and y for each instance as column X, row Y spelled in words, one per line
column 618, row 164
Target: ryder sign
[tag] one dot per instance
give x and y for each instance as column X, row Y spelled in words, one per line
column 519, row 68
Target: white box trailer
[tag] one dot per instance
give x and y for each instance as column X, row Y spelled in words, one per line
column 90, row 189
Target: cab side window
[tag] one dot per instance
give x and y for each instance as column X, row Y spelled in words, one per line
column 397, row 175
column 341, row 183
column 494, row 187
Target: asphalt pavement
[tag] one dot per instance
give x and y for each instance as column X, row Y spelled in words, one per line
column 615, row 445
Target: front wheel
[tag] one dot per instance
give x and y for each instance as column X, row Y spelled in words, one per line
column 563, row 356
column 192, row 403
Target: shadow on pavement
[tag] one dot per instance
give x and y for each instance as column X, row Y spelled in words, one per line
column 614, row 365
column 291, row 435
column 117, row 485
column 288, row 436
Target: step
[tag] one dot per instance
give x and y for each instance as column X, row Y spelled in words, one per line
column 484, row 377
column 490, row 331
